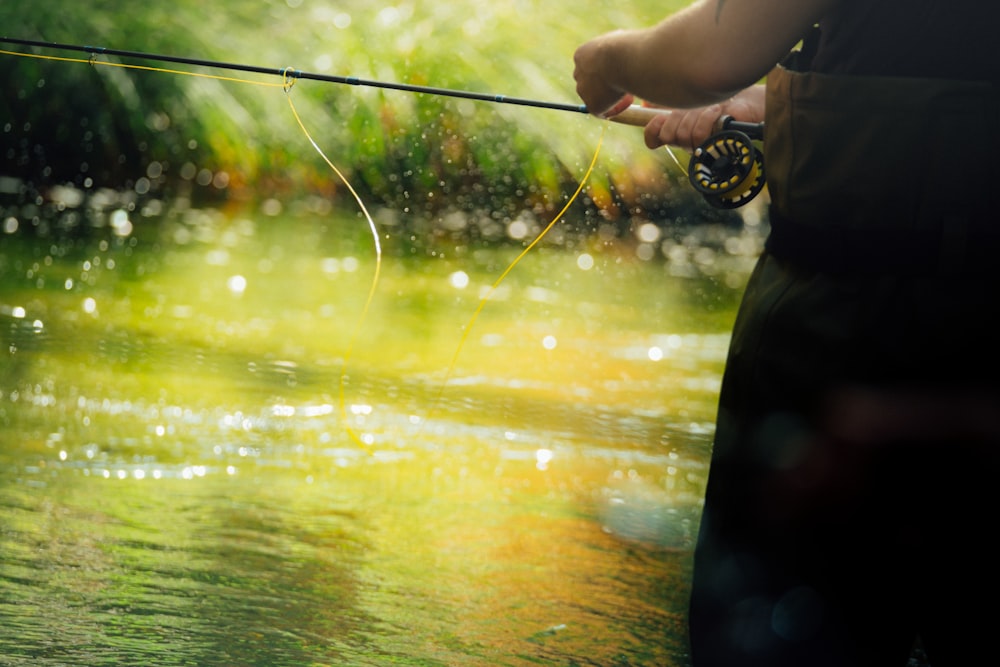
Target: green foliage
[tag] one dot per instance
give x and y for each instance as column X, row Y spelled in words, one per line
column 66, row 122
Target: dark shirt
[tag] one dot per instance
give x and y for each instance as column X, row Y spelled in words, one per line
column 945, row 39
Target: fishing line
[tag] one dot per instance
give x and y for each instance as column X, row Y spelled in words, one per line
column 510, row 267
column 670, row 152
column 288, row 77
column 727, row 169
column 288, row 83
column 147, row 68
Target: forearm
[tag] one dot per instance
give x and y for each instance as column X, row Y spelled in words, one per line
column 668, row 64
column 699, row 56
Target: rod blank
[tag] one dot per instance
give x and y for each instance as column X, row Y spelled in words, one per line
column 298, row 74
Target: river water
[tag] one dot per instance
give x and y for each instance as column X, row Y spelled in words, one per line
column 209, row 457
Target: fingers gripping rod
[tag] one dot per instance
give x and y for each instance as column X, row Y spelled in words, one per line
column 728, row 168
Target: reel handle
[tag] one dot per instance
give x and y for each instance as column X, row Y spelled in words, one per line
column 752, row 130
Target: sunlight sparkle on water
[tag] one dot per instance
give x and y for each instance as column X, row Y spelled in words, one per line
column 283, row 410
column 585, row 262
column 191, row 472
column 316, row 410
column 517, row 230
column 459, row 280
column 120, row 223
column 331, row 265
column 237, row 284
column 217, row 257
column 648, row 233
column 389, row 16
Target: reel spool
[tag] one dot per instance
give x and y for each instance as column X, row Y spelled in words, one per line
column 728, row 169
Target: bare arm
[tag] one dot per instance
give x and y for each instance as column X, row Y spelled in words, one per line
column 718, row 9
column 701, row 55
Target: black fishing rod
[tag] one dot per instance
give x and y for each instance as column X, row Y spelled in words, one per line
column 291, row 73
column 728, row 170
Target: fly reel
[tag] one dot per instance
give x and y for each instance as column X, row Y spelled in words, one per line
column 728, row 169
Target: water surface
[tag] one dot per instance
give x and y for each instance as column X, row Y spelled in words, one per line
column 209, row 458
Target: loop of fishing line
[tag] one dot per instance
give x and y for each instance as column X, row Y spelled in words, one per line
column 288, row 81
column 288, row 78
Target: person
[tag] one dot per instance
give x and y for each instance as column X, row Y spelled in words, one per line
column 849, row 506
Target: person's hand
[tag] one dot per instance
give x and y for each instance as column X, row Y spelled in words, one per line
column 601, row 96
column 689, row 128
column 701, row 55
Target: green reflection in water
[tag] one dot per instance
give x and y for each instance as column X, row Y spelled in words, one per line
column 178, row 487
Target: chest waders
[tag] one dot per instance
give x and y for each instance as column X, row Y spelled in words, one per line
column 881, row 175
column 878, row 276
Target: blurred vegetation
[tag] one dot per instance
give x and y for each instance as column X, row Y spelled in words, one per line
column 425, row 156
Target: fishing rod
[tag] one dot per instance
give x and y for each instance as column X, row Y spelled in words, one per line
column 292, row 73
column 728, row 169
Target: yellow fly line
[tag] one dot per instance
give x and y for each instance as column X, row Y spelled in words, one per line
column 146, row 68
column 288, row 81
column 510, row 267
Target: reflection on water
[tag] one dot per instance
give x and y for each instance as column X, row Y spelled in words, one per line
column 178, row 485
